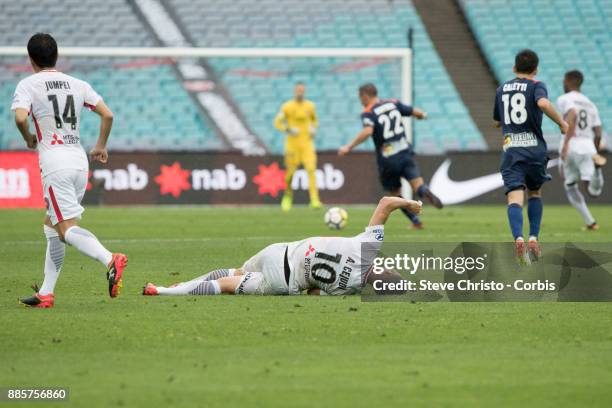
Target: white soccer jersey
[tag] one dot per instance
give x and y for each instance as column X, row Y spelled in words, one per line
column 587, row 117
column 55, row 101
column 333, row 264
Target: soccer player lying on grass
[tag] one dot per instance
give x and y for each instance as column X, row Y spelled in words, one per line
column 319, row 265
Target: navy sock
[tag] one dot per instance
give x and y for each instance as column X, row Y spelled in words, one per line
column 534, row 212
column 413, row 218
column 515, row 219
column 421, row 190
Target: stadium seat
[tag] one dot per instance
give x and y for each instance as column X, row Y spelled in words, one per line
column 567, row 34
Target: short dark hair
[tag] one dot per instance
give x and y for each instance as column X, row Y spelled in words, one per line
column 526, row 61
column 42, row 49
column 575, row 77
column 368, row 89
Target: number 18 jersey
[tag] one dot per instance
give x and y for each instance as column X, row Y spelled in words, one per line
column 333, row 264
column 516, row 109
column 55, row 101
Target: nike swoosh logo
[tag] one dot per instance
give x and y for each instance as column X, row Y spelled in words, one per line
column 454, row 192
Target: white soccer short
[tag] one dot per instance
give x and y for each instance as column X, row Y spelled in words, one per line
column 63, row 191
column 270, row 261
column 578, row 167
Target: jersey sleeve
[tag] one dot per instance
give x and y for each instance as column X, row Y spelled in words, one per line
column 91, row 98
column 564, row 104
column 540, row 91
column 496, row 116
column 22, row 98
column 374, row 233
column 597, row 119
column 405, row 110
column 367, row 119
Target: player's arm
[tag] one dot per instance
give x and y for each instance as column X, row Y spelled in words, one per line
column 496, row 118
column 99, row 152
column 280, row 120
column 361, row 137
column 547, row 107
column 22, row 123
column 597, row 140
column 314, row 121
column 407, row 110
column 387, row 205
column 570, row 118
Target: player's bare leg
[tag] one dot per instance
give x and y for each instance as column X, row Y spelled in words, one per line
column 414, row 219
column 423, row 191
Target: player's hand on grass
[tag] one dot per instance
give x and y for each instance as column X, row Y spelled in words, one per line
column 344, row 150
column 99, row 154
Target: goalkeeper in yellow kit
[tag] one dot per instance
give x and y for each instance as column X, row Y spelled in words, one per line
column 298, row 120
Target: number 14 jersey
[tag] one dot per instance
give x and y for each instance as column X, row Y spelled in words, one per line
column 333, row 264
column 55, row 101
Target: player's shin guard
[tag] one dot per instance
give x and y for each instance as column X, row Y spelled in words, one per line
column 198, row 288
column 534, row 212
column 87, row 243
column 575, row 197
column 515, row 219
column 54, row 259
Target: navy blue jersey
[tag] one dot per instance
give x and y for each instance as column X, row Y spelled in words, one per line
column 385, row 117
column 516, row 108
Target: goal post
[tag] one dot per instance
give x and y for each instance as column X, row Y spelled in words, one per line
column 191, row 67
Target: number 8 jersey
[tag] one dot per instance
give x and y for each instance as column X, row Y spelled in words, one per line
column 333, row 264
column 516, row 109
column 55, row 101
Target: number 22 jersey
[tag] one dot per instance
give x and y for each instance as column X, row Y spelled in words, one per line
column 55, row 101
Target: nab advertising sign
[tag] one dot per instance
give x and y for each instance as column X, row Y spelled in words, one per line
column 231, row 178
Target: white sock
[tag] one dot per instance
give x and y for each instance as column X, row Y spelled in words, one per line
column 201, row 288
column 576, row 198
column 596, row 184
column 54, row 259
column 87, row 244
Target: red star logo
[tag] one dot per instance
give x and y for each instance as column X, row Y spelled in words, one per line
column 173, row 180
column 270, row 179
column 310, row 250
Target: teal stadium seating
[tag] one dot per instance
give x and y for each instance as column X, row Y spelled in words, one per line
column 567, row 34
column 148, row 98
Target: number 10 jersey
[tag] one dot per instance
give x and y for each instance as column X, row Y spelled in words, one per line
column 333, row 264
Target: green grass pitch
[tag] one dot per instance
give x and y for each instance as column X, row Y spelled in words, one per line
column 287, row 351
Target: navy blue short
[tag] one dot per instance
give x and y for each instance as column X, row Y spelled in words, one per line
column 521, row 172
column 392, row 169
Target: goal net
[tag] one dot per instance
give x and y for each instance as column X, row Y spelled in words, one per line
column 217, row 99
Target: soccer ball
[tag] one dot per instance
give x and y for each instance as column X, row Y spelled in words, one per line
column 336, row 218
